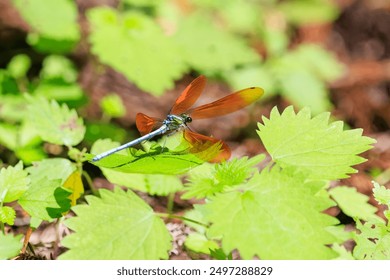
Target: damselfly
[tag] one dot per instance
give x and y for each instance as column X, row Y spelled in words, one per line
column 180, row 115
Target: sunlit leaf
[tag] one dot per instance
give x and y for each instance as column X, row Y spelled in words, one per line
column 372, row 241
column 55, row 123
column 273, row 208
column 19, row 65
column 305, row 12
column 156, row 160
column 381, row 194
column 53, row 23
column 207, row 48
column 322, row 150
column 45, row 199
column 213, row 179
column 7, row 215
column 14, row 181
column 112, row 105
column 116, row 226
column 199, row 243
column 353, row 203
column 132, row 44
column 10, row 245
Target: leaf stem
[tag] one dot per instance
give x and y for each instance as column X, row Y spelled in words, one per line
column 171, row 216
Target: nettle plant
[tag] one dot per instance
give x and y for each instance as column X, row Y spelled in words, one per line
column 273, row 213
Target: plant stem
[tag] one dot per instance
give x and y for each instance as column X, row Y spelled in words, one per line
column 171, row 216
column 171, row 198
column 89, row 181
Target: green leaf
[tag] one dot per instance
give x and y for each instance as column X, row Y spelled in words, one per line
column 303, row 12
column 219, row 254
column 249, row 76
column 10, row 245
column 273, row 208
column 372, row 241
column 154, row 184
column 116, row 226
column 12, row 106
column 112, row 105
column 19, row 65
column 322, row 150
column 343, row 253
column 56, row 67
column 7, row 215
column 132, row 44
column 52, row 169
column 8, row 135
column 14, row 181
column 381, row 194
column 155, row 161
column 303, row 83
column 341, row 234
column 322, row 63
column 199, row 243
column 302, row 88
column 142, row 3
column 45, row 199
column 209, row 49
column 51, row 22
column 240, row 16
column 212, row 179
column 54, row 123
column 353, row 203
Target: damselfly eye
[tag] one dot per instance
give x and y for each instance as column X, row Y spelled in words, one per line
column 188, row 119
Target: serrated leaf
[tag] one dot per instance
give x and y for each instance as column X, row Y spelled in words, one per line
column 273, row 208
column 75, row 185
column 353, row 203
column 45, row 199
column 142, row 3
column 14, row 181
column 52, row 169
column 55, row 123
column 209, row 49
column 372, row 241
column 216, row 178
column 7, row 215
column 9, row 245
column 381, row 194
column 51, row 21
column 322, row 150
column 116, row 226
column 132, row 44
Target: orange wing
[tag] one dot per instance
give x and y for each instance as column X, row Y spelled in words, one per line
column 228, row 104
column 201, row 143
column 189, row 96
column 145, row 124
